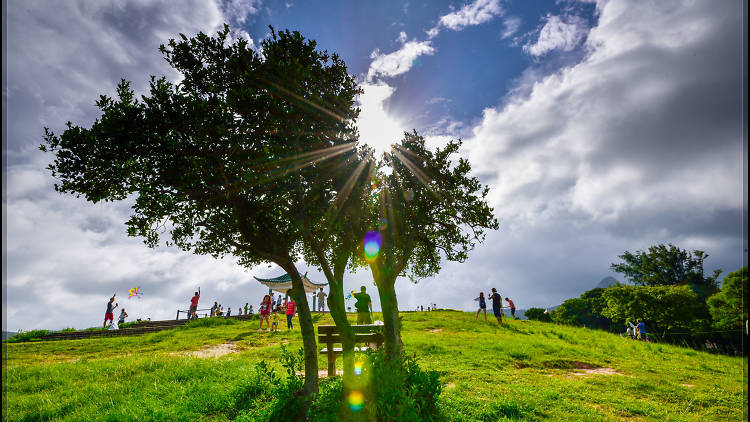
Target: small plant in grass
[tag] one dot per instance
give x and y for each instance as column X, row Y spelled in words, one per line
column 94, row 329
column 27, row 336
column 268, row 397
column 68, row 330
column 210, row 322
column 538, row 314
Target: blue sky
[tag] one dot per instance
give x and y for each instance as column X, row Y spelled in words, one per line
column 599, row 126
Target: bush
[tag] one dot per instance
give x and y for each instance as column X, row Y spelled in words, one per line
column 28, row 336
column 392, row 390
column 401, row 391
column 209, row 322
column 537, row 314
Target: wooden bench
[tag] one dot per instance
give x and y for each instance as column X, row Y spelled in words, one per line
column 330, row 335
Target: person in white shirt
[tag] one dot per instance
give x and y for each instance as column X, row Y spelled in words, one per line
column 321, row 300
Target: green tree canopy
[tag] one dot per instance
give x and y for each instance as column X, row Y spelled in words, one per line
column 583, row 311
column 664, row 308
column 425, row 207
column 668, row 265
column 234, row 159
column 729, row 307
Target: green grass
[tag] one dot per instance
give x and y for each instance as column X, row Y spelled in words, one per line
column 522, row 370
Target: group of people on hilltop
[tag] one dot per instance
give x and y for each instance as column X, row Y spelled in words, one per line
column 497, row 305
column 269, row 311
column 637, row 331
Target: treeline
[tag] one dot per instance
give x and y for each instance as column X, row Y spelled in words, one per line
column 671, row 293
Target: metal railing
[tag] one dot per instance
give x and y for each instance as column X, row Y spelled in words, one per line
column 196, row 312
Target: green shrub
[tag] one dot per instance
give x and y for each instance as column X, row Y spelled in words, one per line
column 209, row 322
column 538, row 314
column 129, row 324
column 268, row 397
column 28, row 336
column 393, row 391
column 401, row 390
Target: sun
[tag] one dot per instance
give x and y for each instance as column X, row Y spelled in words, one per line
column 376, row 128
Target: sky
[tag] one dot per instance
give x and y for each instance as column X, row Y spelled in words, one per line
column 599, row 126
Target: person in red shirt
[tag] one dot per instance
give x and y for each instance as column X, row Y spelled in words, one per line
column 290, row 307
column 512, row 307
column 109, row 315
column 194, row 304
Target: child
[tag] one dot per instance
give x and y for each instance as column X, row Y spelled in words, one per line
column 123, row 315
column 265, row 311
column 229, row 312
column 275, row 320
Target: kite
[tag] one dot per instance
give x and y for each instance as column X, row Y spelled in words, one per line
column 135, row 292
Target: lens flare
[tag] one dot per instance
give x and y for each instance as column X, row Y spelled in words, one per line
column 356, row 401
column 372, row 242
column 383, row 224
column 358, row 368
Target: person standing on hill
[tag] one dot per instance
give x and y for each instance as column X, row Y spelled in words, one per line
column 214, row 308
column 109, row 314
column 265, row 310
column 497, row 305
column 482, row 306
column 291, row 306
column 321, row 300
column 123, row 315
column 363, row 306
column 512, row 307
column 641, row 326
column 194, row 304
column 246, row 308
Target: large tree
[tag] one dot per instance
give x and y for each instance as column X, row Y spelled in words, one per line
column 729, row 307
column 426, row 208
column 234, row 159
column 668, row 265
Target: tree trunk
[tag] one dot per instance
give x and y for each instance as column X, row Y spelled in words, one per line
column 308, row 331
column 337, row 307
column 392, row 324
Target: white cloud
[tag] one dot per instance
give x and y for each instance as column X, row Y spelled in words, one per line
column 398, row 62
column 512, row 24
column 65, row 255
column 476, row 13
column 559, row 33
column 237, row 11
column 402, row 37
column 623, row 132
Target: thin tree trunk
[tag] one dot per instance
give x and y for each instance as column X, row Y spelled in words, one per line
column 337, row 308
column 391, row 322
column 308, row 331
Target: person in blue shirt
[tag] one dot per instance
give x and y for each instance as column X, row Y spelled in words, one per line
column 641, row 327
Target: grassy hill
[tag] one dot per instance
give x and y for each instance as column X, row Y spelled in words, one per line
column 522, row 370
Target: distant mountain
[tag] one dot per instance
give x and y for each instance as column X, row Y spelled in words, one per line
column 8, row 334
column 607, row 282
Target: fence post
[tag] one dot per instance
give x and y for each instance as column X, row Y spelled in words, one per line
column 178, row 315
